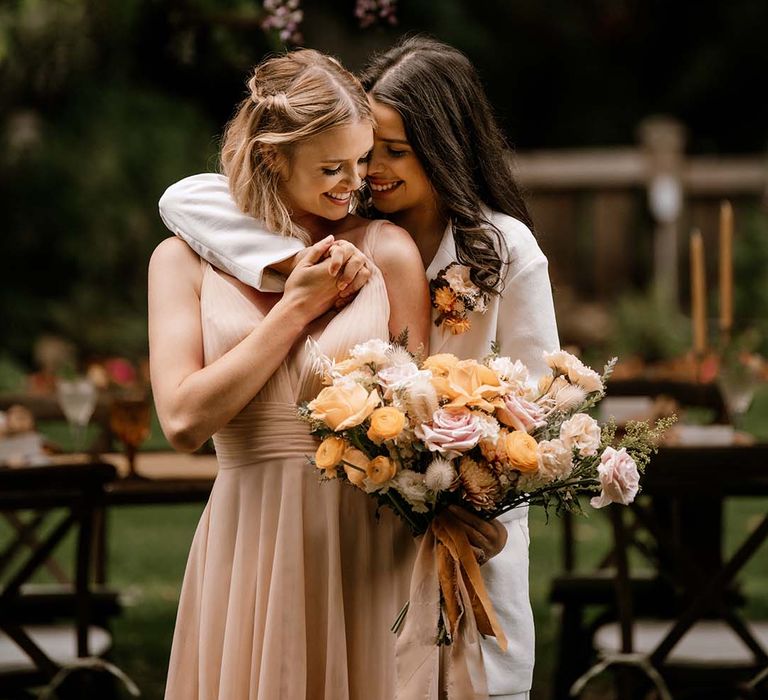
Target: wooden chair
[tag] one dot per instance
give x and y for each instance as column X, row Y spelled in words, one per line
column 579, row 593
column 704, row 650
column 44, row 636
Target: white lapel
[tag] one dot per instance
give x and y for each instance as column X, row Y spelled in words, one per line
column 446, row 254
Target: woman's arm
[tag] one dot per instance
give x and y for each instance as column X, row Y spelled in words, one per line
column 200, row 210
column 399, row 260
column 193, row 400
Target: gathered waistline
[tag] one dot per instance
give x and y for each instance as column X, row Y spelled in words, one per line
column 263, row 431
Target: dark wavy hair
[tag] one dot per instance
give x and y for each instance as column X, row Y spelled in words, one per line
column 452, row 129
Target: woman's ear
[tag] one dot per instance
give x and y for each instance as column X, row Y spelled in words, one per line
column 275, row 159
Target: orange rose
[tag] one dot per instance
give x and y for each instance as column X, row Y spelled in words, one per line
column 521, row 450
column 386, row 423
column 342, row 407
column 381, row 469
column 355, row 466
column 329, row 454
column 469, row 383
column 441, row 363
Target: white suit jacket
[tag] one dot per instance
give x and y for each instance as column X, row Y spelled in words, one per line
column 200, row 210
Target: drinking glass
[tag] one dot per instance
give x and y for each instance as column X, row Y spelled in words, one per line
column 737, row 382
column 129, row 419
column 77, row 399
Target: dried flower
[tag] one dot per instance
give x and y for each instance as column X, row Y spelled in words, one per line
column 440, row 475
column 480, row 485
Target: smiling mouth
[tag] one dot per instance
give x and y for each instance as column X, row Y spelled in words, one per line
column 340, row 199
column 384, row 187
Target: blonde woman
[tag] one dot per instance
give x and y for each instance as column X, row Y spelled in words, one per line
column 291, row 585
column 440, row 169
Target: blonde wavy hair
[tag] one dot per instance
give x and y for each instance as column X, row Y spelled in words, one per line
column 291, row 98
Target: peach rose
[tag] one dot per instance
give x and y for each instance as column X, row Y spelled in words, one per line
column 469, row 383
column 441, row 363
column 355, row 466
column 386, row 424
column 344, row 406
column 520, row 450
column 330, row 453
column 381, row 469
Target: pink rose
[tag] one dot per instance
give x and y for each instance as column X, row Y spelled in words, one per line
column 521, row 414
column 452, row 431
column 618, row 476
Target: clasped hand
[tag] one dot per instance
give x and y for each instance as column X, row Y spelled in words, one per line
column 487, row 537
column 327, row 274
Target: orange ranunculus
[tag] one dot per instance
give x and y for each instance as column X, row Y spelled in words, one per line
column 386, row 423
column 355, row 465
column 469, row 383
column 342, row 407
column 381, row 469
column 329, row 454
column 520, row 449
column 440, row 364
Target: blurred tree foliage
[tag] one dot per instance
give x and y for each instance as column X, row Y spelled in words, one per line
column 103, row 104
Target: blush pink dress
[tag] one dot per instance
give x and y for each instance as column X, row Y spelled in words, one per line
column 292, row 585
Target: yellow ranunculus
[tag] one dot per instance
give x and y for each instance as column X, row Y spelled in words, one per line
column 469, row 383
column 386, row 423
column 381, row 469
column 521, row 451
column 330, row 452
column 342, row 407
column 355, row 465
column 441, row 363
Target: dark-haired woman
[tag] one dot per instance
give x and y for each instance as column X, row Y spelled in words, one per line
column 440, row 168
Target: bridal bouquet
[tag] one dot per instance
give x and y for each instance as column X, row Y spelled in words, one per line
column 422, row 434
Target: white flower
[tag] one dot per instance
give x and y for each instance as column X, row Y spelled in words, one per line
column 555, row 460
column 420, row 397
column 373, row 351
column 458, row 278
column 513, row 373
column 397, row 376
column 410, row 485
column 489, row 426
column 581, row 433
column 569, row 398
column 399, row 356
column 440, row 475
column 618, row 476
column 563, row 362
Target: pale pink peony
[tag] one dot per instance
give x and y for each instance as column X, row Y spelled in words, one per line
column 619, row 478
column 581, row 433
column 521, row 414
column 451, row 432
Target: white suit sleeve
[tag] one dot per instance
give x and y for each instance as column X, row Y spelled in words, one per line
column 527, row 326
column 200, row 210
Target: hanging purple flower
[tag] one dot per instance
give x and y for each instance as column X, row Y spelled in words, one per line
column 285, row 16
column 370, row 12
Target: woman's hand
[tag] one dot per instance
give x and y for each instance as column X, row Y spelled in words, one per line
column 350, row 267
column 487, row 537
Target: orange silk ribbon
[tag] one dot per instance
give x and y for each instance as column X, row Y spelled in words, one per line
column 445, row 563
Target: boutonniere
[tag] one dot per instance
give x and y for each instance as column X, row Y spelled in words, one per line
column 455, row 296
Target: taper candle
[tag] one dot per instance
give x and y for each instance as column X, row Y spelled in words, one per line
column 698, row 294
column 726, row 268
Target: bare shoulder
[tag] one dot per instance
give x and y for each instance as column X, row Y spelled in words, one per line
column 174, row 257
column 392, row 245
